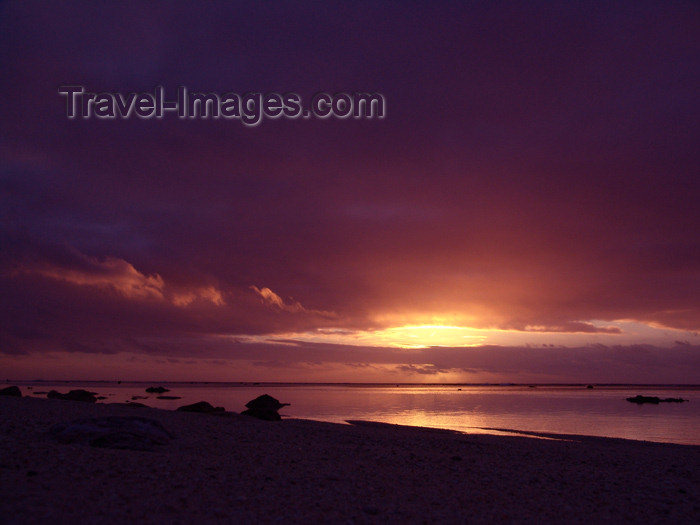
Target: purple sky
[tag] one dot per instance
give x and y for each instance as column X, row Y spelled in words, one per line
column 528, row 210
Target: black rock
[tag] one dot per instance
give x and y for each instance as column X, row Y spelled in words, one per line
column 13, row 391
column 157, row 390
column 640, row 400
column 74, row 395
column 169, row 397
column 643, row 399
column 264, row 407
column 265, row 402
column 132, row 433
column 203, row 407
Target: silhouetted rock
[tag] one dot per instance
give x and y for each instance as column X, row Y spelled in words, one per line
column 169, row 397
column 157, row 390
column 13, row 391
column 264, row 407
column 133, row 433
column 265, row 402
column 74, row 395
column 643, row 399
column 203, row 407
column 640, row 400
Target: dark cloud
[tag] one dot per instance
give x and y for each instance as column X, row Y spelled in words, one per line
column 537, row 170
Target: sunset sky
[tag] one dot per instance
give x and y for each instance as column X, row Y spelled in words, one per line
column 528, row 210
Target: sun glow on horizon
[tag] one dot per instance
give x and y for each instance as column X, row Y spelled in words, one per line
column 435, row 334
column 408, row 336
column 427, row 335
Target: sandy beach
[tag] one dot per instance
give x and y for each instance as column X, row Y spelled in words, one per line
column 237, row 469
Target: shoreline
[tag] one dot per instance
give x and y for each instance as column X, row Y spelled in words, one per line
column 240, row 469
column 599, row 411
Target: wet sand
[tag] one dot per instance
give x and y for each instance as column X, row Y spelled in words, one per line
column 237, row 469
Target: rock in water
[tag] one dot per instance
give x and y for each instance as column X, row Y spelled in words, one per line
column 264, row 407
column 132, row 433
column 265, row 402
column 157, row 390
column 74, row 395
column 640, row 400
column 13, row 391
column 203, row 407
column 644, row 399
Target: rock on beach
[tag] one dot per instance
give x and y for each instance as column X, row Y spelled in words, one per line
column 74, row 395
column 264, row 407
column 132, row 433
column 11, row 391
column 202, row 407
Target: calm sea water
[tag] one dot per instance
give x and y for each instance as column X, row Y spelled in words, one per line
column 600, row 411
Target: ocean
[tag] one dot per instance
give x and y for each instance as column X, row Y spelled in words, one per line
column 561, row 409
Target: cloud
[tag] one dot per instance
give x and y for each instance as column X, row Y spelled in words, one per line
column 534, row 173
column 120, row 276
column 631, row 364
column 430, row 370
column 204, row 293
column 111, row 272
column 575, row 327
column 273, row 300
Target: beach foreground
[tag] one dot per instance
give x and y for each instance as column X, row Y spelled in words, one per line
column 237, row 469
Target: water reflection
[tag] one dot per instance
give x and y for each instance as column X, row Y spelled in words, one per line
column 602, row 411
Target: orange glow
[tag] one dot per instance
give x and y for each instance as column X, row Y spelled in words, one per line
column 114, row 273
column 416, row 336
column 409, row 336
column 121, row 276
column 209, row 293
column 421, row 336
